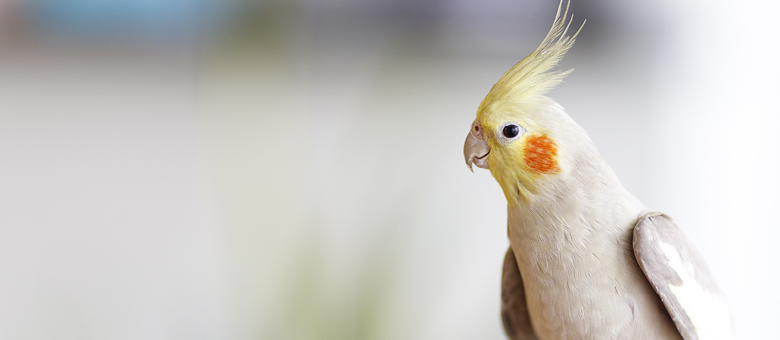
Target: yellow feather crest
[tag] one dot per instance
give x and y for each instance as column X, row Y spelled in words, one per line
column 531, row 77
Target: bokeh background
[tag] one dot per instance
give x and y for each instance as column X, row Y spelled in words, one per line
column 276, row 169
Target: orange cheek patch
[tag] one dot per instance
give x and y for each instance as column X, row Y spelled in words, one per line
column 541, row 154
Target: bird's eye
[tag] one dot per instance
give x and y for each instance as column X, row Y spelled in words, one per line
column 511, row 131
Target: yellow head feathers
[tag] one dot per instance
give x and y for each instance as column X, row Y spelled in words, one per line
column 517, row 102
column 531, row 77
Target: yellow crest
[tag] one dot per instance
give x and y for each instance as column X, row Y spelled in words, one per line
column 531, row 77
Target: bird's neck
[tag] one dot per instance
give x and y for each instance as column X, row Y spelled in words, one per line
column 581, row 214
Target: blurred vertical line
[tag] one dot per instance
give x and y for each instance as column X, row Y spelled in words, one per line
column 253, row 91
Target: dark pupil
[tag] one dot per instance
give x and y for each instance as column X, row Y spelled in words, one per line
column 511, row 131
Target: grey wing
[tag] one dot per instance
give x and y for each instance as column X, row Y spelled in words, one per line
column 514, row 311
column 679, row 275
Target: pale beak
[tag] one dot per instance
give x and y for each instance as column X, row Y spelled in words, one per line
column 476, row 149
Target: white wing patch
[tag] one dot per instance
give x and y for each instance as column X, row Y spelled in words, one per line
column 706, row 310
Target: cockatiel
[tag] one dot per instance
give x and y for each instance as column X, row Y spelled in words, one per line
column 586, row 260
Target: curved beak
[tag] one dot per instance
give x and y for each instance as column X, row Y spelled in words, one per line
column 476, row 149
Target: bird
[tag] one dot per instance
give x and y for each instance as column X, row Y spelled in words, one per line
column 587, row 260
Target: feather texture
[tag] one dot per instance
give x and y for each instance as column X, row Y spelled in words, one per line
column 531, row 77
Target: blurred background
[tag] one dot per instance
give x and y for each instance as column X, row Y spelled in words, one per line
column 276, row 169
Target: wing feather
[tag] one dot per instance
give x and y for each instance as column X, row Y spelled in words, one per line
column 680, row 276
column 514, row 311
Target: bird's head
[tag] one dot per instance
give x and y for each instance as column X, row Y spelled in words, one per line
column 522, row 136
